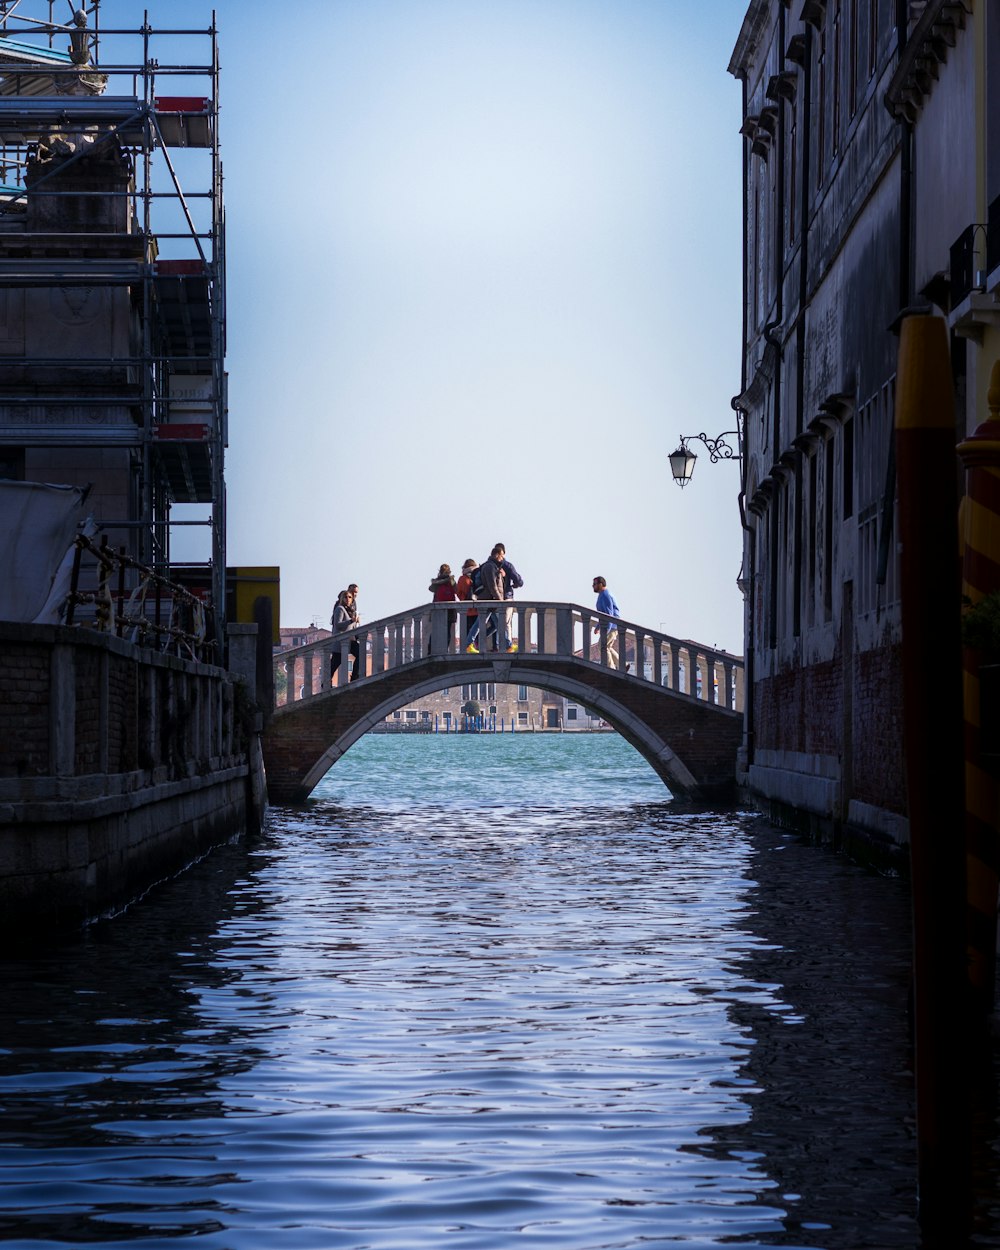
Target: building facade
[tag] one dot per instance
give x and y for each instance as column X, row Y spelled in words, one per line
column 871, row 178
column 112, row 315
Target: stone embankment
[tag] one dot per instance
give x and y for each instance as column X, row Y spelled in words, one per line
column 118, row 767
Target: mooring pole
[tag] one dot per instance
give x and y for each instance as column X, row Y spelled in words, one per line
column 980, row 454
column 932, row 706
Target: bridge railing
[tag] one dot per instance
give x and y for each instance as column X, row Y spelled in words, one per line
column 540, row 630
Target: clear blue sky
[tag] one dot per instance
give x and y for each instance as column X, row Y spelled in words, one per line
column 484, row 269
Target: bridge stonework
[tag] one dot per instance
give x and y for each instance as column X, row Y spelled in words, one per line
column 692, row 745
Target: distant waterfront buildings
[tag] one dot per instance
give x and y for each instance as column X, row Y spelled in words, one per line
column 871, row 188
column 515, row 707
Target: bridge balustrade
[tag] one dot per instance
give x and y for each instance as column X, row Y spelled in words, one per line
column 541, row 630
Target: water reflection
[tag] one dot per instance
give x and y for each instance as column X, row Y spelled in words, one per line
column 573, row 1028
column 832, row 1104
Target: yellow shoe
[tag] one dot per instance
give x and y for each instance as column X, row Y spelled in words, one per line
column 512, row 647
column 472, row 649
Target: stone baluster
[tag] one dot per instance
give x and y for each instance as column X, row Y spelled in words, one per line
column 564, row 631
column 440, row 641
column 397, row 644
column 378, row 651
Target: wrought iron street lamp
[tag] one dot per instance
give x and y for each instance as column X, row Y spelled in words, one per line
column 682, row 460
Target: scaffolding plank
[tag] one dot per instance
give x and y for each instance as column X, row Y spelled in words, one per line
column 27, row 118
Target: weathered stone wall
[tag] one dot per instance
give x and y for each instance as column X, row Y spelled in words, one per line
column 118, row 766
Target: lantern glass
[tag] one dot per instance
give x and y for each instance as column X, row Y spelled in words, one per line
column 682, row 465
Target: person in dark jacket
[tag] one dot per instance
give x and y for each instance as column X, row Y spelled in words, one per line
column 341, row 622
column 492, row 574
column 512, row 580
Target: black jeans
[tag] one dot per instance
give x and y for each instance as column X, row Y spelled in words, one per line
column 336, row 657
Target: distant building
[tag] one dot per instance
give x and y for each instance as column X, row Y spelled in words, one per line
column 871, row 186
column 515, row 707
column 301, row 636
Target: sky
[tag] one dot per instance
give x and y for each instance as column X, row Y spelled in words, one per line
column 484, row 270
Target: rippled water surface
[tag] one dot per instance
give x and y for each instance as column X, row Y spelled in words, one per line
column 480, row 993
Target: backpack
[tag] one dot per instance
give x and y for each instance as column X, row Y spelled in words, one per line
column 477, row 582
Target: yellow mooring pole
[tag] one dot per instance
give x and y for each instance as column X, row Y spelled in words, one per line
column 932, row 707
column 980, row 454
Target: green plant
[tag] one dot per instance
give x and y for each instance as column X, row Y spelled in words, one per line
column 981, row 623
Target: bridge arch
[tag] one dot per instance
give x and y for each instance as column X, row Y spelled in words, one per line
column 633, row 728
column 677, row 702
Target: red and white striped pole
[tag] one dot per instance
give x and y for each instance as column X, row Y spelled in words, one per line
column 980, row 454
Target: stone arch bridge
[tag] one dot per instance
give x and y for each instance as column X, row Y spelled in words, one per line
column 679, row 703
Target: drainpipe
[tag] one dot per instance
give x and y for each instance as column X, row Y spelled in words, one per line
column 750, row 644
column 805, row 130
column 906, row 240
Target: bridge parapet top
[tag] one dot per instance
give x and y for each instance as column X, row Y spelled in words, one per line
column 539, row 631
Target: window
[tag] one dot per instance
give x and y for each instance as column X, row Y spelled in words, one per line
column 12, row 463
column 872, row 37
column 811, row 547
column 835, row 111
column 446, row 690
column 828, row 497
column 820, row 106
column 446, row 717
column 425, row 716
column 853, row 54
column 571, row 713
column 875, row 517
column 479, row 690
column 522, row 718
column 522, row 694
column 848, row 468
column 793, row 171
column 411, row 714
column 397, row 716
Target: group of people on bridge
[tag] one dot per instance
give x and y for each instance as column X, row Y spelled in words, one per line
column 493, row 581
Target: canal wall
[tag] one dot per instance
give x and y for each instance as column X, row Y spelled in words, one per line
column 118, row 767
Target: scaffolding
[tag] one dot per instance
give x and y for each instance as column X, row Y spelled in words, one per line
column 112, row 277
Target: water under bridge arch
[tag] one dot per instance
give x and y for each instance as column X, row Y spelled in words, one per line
column 679, row 703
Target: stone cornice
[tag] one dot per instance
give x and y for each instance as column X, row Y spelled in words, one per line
column 925, row 52
column 749, row 38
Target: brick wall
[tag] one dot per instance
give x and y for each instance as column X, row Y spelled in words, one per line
column 109, row 717
column 879, row 763
column 24, row 711
column 88, row 712
column 800, row 709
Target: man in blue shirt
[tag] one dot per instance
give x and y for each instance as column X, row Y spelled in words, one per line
column 606, row 604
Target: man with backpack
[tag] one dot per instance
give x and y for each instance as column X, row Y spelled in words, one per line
column 512, row 580
column 493, row 577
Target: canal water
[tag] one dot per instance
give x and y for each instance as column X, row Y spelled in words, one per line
column 482, row 992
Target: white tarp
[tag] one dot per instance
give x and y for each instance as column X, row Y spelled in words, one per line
column 38, row 524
